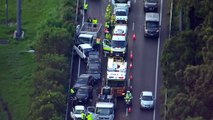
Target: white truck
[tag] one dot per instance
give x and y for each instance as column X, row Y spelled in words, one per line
column 102, row 111
column 121, row 14
column 122, row 3
column 116, row 75
column 88, row 33
column 83, row 50
column 76, row 112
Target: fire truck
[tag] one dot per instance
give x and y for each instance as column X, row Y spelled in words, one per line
column 116, row 75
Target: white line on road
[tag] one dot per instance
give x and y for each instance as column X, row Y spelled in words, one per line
column 79, row 66
column 157, row 62
column 135, row 1
column 133, row 26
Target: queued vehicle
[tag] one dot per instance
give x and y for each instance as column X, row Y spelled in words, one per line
column 150, row 5
column 83, row 50
column 95, row 71
column 83, row 95
column 146, row 100
column 76, row 112
column 93, row 58
column 84, row 80
column 152, row 26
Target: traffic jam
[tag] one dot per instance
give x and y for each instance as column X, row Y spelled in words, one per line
column 115, row 82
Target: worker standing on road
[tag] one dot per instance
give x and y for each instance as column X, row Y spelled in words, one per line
column 89, row 117
column 85, row 7
column 95, row 22
column 72, row 91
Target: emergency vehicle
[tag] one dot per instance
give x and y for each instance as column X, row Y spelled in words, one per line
column 116, row 75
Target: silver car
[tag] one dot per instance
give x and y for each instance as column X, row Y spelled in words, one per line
column 146, row 100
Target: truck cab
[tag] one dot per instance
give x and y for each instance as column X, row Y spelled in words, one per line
column 103, row 111
column 152, row 27
column 83, row 50
column 150, row 5
column 122, row 3
column 85, row 39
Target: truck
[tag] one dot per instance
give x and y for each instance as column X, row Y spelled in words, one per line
column 121, row 14
column 116, row 75
column 152, row 26
column 75, row 113
column 88, row 33
column 102, row 111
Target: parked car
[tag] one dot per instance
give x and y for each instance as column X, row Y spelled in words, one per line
column 94, row 69
column 83, row 95
column 146, row 100
column 150, row 5
column 83, row 50
column 93, row 57
column 84, row 80
column 76, row 112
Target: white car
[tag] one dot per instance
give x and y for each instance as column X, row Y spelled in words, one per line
column 83, row 50
column 146, row 100
column 76, row 112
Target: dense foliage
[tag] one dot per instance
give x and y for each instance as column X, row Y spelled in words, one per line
column 50, row 78
column 187, row 64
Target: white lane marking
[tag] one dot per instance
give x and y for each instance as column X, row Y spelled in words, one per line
column 157, row 61
column 79, row 65
column 135, row 1
column 133, row 26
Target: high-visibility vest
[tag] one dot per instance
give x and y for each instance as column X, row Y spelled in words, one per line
column 95, row 21
column 106, row 25
column 98, row 41
column 83, row 116
column 72, row 91
column 85, row 6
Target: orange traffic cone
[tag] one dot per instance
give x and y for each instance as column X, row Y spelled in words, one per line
column 131, row 65
column 130, row 76
column 134, row 37
column 131, row 55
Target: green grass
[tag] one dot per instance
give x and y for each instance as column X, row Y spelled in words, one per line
column 16, row 66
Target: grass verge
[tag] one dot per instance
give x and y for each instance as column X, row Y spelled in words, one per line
column 16, row 65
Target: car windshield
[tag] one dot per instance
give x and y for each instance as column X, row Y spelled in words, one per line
column 87, row 50
column 81, row 81
column 82, row 91
column 104, row 111
column 121, row 13
column 151, row 1
column 121, row 1
column 152, row 25
column 120, row 44
column 93, row 60
column 116, row 83
column 78, row 111
column 147, row 98
column 84, row 40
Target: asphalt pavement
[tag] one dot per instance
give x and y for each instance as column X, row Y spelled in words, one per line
column 145, row 53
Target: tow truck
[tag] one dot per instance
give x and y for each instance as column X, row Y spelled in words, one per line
column 116, row 75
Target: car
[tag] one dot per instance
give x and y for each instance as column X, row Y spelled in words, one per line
column 84, row 80
column 150, row 5
column 146, row 100
column 95, row 71
column 83, row 50
column 83, row 95
column 76, row 112
column 93, row 58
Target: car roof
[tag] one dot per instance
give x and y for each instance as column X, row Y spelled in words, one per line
column 152, row 17
column 85, row 46
column 86, row 35
column 94, row 53
column 79, row 107
column 84, row 76
column 147, row 93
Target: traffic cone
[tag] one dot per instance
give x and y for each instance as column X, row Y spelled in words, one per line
column 129, row 109
column 130, row 65
column 131, row 55
column 130, row 76
column 134, row 37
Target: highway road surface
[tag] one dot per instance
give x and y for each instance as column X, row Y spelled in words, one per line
column 146, row 68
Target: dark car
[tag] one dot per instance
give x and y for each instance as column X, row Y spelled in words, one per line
column 84, row 94
column 150, row 5
column 94, row 69
column 84, row 80
column 93, row 57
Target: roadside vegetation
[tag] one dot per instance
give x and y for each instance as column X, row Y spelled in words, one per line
column 34, row 85
column 187, row 63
